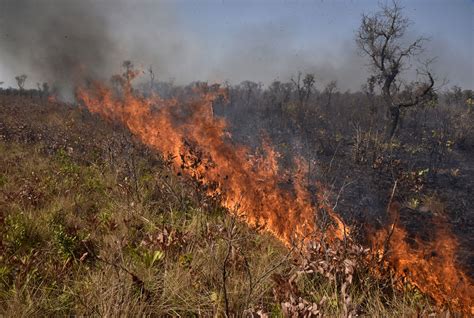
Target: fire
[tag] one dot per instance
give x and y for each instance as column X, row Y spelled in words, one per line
column 430, row 266
column 198, row 142
column 251, row 185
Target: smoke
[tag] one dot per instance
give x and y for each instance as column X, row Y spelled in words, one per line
column 65, row 42
column 58, row 41
column 68, row 41
column 267, row 52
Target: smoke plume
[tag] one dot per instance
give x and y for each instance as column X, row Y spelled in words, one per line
column 63, row 41
column 58, row 41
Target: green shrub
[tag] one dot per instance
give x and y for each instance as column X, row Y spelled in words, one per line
column 66, row 243
column 19, row 233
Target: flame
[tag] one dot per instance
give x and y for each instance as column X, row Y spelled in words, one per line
column 199, row 144
column 250, row 185
column 430, row 266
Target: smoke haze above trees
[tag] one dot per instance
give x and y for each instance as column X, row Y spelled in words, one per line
column 67, row 40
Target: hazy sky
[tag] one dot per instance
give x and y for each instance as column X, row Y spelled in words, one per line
column 237, row 40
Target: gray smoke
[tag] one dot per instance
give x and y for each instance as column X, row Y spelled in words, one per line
column 58, row 41
column 67, row 41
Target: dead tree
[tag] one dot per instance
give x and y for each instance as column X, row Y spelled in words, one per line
column 303, row 87
column 20, row 81
column 129, row 74
column 329, row 91
column 381, row 37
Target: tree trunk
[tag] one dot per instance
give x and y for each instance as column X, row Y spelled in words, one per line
column 394, row 119
column 393, row 110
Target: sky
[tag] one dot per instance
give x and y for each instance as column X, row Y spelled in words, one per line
column 225, row 40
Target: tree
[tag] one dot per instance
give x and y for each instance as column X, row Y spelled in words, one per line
column 124, row 81
column 329, row 91
column 43, row 89
column 381, row 37
column 129, row 72
column 20, row 81
column 303, row 87
column 251, row 89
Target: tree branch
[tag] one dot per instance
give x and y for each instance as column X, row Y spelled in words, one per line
column 420, row 96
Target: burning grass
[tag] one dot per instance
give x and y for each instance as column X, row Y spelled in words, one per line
column 428, row 265
column 93, row 223
column 199, row 145
column 81, row 239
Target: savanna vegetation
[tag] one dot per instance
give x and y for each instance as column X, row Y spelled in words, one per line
column 95, row 223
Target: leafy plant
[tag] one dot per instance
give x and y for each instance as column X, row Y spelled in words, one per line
column 67, row 243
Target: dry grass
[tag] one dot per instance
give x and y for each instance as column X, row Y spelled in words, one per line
column 94, row 224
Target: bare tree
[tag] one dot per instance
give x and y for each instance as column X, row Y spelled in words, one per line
column 45, row 89
column 303, row 87
column 20, row 81
column 328, row 91
column 381, row 37
column 129, row 72
column 123, row 82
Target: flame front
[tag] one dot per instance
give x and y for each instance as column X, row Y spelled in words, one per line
column 248, row 185
column 430, row 266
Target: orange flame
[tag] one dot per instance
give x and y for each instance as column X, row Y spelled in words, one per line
column 430, row 266
column 250, row 185
column 198, row 142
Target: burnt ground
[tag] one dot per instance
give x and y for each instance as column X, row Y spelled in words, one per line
column 446, row 194
column 432, row 160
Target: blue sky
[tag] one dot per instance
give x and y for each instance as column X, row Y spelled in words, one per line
column 259, row 40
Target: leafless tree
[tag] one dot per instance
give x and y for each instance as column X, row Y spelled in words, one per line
column 381, row 37
column 303, row 87
column 251, row 89
column 20, row 81
column 129, row 72
column 329, row 90
column 45, row 89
